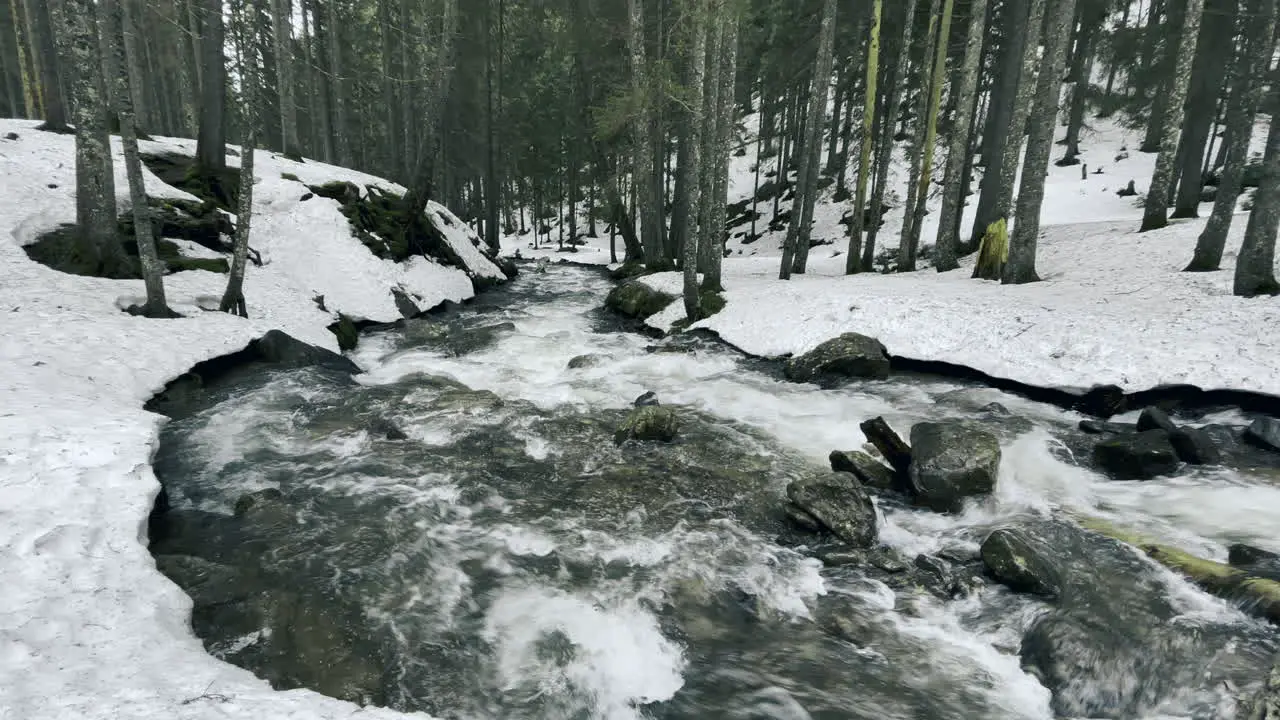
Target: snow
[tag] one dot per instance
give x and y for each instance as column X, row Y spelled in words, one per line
column 88, row 627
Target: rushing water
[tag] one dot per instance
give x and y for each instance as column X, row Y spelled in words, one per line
column 507, row 560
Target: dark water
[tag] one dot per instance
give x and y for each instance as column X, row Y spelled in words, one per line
column 507, row 560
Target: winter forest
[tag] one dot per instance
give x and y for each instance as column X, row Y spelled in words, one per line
column 640, row 359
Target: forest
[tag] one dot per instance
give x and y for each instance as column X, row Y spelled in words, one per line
column 562, row 115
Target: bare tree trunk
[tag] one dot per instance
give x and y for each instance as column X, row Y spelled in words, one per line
column 337, row 86
column 282, row 37
column 211, row 145
column 233, row 297
column 55, row 113
column 710, row 115
column 853, row 262
column 1255, row 267
column 958, row 154
column 26, row 59
column 996, row 187
column 1208, row 72
column 1246, row 95
column 1027, row 83
column 930, row 135
column 812, row 152
column 149, row 259
column 1021, row 267
column 724, row 145
column 1156, row 208
column 1092, row 15
column 890, row 107
column 97, row 248
column 696, row 125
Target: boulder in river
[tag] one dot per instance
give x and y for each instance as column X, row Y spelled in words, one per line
column 1020, row 561
column 1153, row 418
column 635, row 299
column 648, row 398
column 585, row 361
column 840, row 503
column 1264, row 433
column 1093, row 426
column 649, row 423
column 1194, row 446
column 848, row 356
column 1140, row 456
column 951, row 461
column 281, row 349
column 870, row 472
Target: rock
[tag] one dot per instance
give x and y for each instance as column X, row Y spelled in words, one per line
column 585, row 361
column 386, row 429
column 1017, row 560
column 849, row 356
column 627, row 271
column 870, row 472
column 1265, row 705
column 207, row 583
column 257, row 499
column 649, row 423
column 1102, row 427
column 840, row 556
column 306, row 196
column 995, row 408
column 840, row 503
column 346, row 332
column 649, row 398
column 950, row 462
column 11, row 136
column 1101, row 401
column 1255, row 561
column 281, row 349
column 801, row 518
column 635, row 299
column 405, row 304
column 1153, row 418
column 1194, row 446
column 1208, row 193
column 888, row 443
column 1264, row 433
column 1140, row 456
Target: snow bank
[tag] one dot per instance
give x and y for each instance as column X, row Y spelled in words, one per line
column 1113, row 308
column 88, row 627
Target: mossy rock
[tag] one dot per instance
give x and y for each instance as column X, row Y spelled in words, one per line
column 346, row 332
column 635, row 299
column 214, row 265
column 220, row 187
column 648, row 424
column 289, row 176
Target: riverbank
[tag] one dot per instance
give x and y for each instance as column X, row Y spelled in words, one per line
column 92, row 630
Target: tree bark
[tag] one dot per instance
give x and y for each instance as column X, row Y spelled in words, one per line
column 958, row 153
column 233, row 297
column 798, row 234
column 118, row 69
column 1173, row 29
column 211, row 145
column 725, row 128
column 853, row 260
column 1021, row 267
column 55, row 113
column 282, row 37
column 1027, row 84
column 1207, row 76
column 696, row 125
column 1242, row 105
column 889, row 113
column 1156, row 207
column 337, row 87
column 1255, row 267
column 931, row 133
column 1092, row 16
column 26, row 59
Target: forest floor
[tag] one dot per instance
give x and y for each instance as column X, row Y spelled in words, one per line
column 89, row 628
column 1113, row 306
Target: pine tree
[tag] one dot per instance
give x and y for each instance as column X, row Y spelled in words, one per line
column 211, row 148
column 697, row 58
column 853, row 261
column 911, row 235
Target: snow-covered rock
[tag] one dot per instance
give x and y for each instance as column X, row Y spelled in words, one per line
column 88, row 627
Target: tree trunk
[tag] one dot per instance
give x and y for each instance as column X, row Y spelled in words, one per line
column 696, row 125
column 1255, row 267
column 1156, row 207
column 1207, row 76
column 26, row 59
column 1242, row 105
column 959, row 153
column 931, row 133
column 1017, row 34
column 724, row 145
column 493, row 188
column 889, row 113
column 1021, row 267
column 1027, row 84
column 853, row 260
column 918, row 139
column 796, row 255
column 337, row 87
column 97, row 249
column 233, row 297
column 211, row 145
column 55, row 113
column 282, row 35
column 710, row 133
column 149, row 259
column 1092, row 16
column 1166, row 71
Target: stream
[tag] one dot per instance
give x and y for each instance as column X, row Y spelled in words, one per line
column 508, row 560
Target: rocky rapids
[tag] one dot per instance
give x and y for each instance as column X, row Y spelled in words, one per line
column 523, row 509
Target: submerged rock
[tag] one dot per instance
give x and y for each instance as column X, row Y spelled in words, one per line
column 869, row 471
column 647, row 399
column 848, row 356
column 386, row 429
column 1020, row 561
column 1140, row 456
column 950, row 462
column 585, row 361
column 635, row 299
column 1102, row 427
column 649, row 423
column 1264, row 433
column 1195, row 446
column 840, row 503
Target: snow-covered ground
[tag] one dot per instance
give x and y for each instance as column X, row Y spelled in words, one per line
column 88, row 627
column 1113, row 308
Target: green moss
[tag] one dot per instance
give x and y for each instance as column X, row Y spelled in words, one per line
column 635, row 299
column 346, row 332
column 289, row 176
column 215, row 265
column 710, row 303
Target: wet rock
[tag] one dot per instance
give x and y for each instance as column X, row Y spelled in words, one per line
column 1255, row 561
column 635, row 299
column 841, row 556
column 870, row 472
column 840, row 503
column 1153, row 418
column 466, row 400
column 1140, row 456
column 1102, row 401
column 279, row 348
column 848, row 356
column 386, row 429
column 888, row 443
column 1102, row 427
column 585, row 361
column 950, row 462
column 1194, row 446
column 207, row 583
column 266, row 514
column 801, row 518
column 1265, row 704
column 405, row 304
column 649, row 423
column 647, row 399
column 1264, row 433
column 256, row 500
column 1020, row 561
column 469, row 340
column 995, row 408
